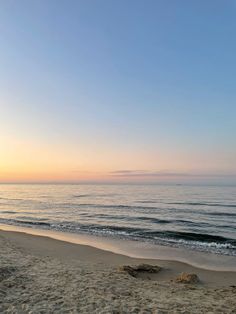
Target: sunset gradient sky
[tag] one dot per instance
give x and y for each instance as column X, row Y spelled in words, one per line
column 118, row 91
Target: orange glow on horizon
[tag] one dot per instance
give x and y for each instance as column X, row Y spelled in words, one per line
column 31, row 161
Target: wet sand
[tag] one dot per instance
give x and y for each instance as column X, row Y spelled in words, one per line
column 42, row 275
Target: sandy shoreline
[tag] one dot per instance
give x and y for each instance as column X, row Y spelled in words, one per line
column 43, row 275
column 136, row 249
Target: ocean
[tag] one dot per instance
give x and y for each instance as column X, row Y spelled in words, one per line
column 201, row 218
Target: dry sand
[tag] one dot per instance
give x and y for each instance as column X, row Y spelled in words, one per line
column 43, row 275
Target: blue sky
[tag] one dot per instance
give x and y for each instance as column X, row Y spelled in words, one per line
column 120, row 85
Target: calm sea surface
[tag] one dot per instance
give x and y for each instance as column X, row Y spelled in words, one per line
column 201, row 218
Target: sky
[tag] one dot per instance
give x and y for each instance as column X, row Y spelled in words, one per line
column 118, row 91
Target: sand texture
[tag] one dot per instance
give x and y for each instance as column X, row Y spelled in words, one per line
column 51, row 280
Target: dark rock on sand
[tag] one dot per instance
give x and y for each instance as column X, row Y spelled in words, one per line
column 6, row 272
column 142, row 268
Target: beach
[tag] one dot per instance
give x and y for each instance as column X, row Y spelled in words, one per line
column 39, row 274
column 117, row 157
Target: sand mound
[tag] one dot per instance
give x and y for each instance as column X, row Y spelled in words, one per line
column 187, row 278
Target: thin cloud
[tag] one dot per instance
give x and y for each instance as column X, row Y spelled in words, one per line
column 117, row 172
column 146, row 173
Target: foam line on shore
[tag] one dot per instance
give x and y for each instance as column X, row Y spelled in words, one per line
column 135, row 249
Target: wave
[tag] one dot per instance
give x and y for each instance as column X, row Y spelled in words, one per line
column 124, row 218
column 153, row 220
column 94, row 195
column 82, row 195
column 129, row 218
column 147, row 202
column 36, row 223
column 200, row 241
column 191, row 223
column 10, row 199
column 119, row 206
column 202, row 204
column 223, row 214
column 151, row 209
column 191, row 236
column 24, row 222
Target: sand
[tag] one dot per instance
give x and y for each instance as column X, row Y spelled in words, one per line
column 43, row 275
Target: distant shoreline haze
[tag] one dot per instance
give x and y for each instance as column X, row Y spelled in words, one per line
column 132, row 178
